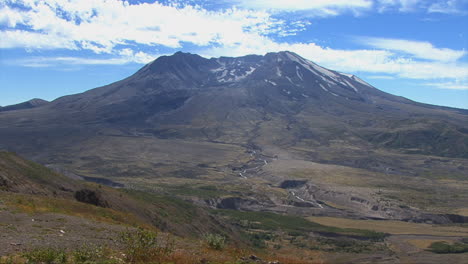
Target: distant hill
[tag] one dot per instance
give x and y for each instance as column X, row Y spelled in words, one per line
column 24, row 105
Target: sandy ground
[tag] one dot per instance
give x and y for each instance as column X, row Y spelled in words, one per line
column 20, row 231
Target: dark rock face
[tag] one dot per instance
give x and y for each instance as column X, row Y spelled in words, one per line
column 290, row 184
column 4, row 184
column 254, row 259
column 438, row 219
column 235, row 203
column 458, row 219
column 90, row 197
column 302, row 204
column 103, row 181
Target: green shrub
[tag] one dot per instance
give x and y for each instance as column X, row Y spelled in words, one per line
column 88, row 254
column 258, row 239
column 215, row 241
column 7, row 260
column 442, row 247
column 46, row 256
column 143, row 245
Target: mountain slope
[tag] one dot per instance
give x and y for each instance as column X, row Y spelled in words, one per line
column 217, row 99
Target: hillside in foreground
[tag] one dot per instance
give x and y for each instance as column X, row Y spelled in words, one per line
column 47, row 215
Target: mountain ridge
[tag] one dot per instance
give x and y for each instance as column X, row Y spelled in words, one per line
column 35, row 102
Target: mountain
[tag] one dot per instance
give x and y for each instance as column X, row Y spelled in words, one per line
column 209, row 98
column 24, row 105
column 241, row 129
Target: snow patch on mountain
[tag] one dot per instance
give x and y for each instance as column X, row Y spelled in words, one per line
column 289, row 79
column 350, row 85
column 360, row 80
column 278, row 72
column 299, row 73
column 326, row 90
column 323, row 88
column 347, row 75
column 314, row 68
column 235, row 74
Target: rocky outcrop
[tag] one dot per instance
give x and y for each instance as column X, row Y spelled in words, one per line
column 288, row 184
column 90, row 197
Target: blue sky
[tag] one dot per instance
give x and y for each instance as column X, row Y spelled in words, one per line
column 413, row 48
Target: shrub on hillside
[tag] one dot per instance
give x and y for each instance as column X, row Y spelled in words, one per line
column 142, row 245
column 442, row 247
column 215, row 241
column 46, row 256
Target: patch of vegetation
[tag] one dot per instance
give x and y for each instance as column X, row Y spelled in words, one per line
column 86, row 254
column 442, row 247
column 205, row 191
column 143, row 246
column 89, row 254
column 257, row 239
column 46, row 256
column 215, row 241
column 42, row 204
column 344, row 245
column 293, row 224
column 178, row 210
column 31, row 170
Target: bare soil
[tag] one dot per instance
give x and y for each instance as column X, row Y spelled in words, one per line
column 21, row 232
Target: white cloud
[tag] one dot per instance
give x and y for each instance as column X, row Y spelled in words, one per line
column 429, row 6
column 34, row 40
column 399, row 5
column 449, row 85
column 124, row 56
column 418, row 49
column 100, row 25
column 324, row 8
column 448, row 7
column 317, row 7
column 10, row 17
column 381, row 77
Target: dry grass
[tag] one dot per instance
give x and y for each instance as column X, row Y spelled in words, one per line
column 462, row 211
column 189, row 252
column 40, row 204
column 424, row 243
column 392, row 227
column 231, row 255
